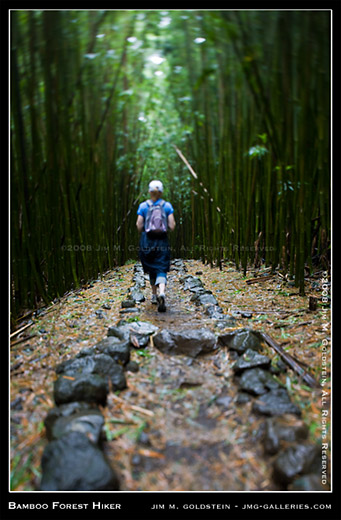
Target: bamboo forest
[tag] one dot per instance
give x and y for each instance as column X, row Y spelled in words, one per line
column 210, row 371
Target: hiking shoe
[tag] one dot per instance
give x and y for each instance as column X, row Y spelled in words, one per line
column 154, row 299
column 162, row 303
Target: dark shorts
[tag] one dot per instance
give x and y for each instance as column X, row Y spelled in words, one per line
column 159, row 278
column 154, row 254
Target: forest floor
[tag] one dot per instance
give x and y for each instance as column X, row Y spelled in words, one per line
column 167, row 430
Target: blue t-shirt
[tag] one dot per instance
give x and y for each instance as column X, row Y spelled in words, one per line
column 143, row 208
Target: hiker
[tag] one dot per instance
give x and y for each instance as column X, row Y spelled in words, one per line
column 155, row 218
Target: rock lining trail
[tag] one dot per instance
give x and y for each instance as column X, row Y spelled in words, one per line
column 208, row 413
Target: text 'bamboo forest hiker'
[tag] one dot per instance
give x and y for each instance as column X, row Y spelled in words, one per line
column 155, row 218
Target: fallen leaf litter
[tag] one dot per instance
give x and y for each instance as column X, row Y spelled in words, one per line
column 166, row 430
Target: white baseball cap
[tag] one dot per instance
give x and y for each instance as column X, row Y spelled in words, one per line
column 156, row 186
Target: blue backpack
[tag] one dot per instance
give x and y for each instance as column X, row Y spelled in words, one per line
column 156, row 218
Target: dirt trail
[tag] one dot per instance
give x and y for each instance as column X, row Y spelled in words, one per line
column 195, row 437
column 181, row 424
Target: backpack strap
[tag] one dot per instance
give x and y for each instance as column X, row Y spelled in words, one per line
column 150, row 203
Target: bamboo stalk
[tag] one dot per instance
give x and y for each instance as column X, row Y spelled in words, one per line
column 21, row 340
column 139, row 409
column 260, row 279
column 16, row 332
column 294, row 365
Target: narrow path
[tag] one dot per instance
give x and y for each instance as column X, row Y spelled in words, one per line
column 196, row 437
column 182, row 423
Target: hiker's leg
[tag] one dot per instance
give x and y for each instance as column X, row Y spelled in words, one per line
column 152, row 280
column 161, row 281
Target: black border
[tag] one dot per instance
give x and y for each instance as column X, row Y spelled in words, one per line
column 142, row 502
